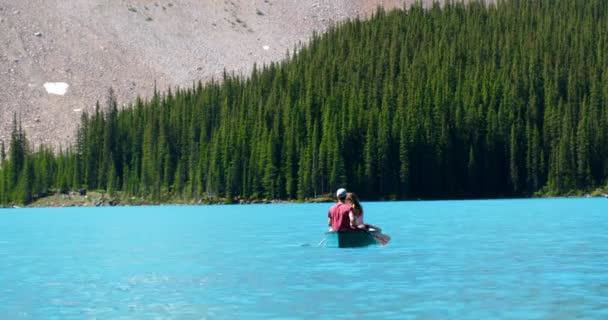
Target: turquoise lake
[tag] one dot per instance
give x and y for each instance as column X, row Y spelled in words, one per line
column 491, row 259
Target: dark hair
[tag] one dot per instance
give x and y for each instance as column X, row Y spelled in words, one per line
column 357, row 208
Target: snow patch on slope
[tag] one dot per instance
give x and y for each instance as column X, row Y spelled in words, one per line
column 58, row 88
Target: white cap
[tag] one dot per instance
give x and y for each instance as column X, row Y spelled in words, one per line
column 341, row 193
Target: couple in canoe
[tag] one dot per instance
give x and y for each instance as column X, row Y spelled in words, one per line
column 347, row 215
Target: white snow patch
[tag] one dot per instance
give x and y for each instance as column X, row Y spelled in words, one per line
column 77, row 110
column 265, row 47
column 58, row 88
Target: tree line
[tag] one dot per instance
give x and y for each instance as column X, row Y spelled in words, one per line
column 456, row 101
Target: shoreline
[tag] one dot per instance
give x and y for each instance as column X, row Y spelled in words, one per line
column 102, row 199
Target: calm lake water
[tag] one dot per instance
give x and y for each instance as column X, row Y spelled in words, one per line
column 498, row 259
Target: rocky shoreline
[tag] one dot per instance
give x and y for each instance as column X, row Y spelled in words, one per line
column 102, row 199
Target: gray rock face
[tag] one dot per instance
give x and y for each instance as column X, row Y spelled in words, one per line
column 131, row 45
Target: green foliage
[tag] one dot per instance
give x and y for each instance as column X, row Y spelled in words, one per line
column 460, row 101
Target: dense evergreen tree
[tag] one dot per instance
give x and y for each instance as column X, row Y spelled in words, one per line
column 453, row 101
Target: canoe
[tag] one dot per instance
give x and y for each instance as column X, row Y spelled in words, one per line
column 350, row 239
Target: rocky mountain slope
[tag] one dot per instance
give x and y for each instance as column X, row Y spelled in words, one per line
column 88, row 46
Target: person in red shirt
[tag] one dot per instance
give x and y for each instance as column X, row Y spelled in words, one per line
column 339, row 217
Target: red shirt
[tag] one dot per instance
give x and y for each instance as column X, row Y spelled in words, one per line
column 338, row 214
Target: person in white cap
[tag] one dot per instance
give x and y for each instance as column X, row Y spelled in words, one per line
column 338, row 217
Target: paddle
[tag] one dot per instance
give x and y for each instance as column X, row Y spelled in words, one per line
column 381, row 238
column 376, row 233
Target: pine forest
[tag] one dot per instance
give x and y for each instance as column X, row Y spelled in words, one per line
column 454, row 101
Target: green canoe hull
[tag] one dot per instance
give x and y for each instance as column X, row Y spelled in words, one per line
column 350, row 239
